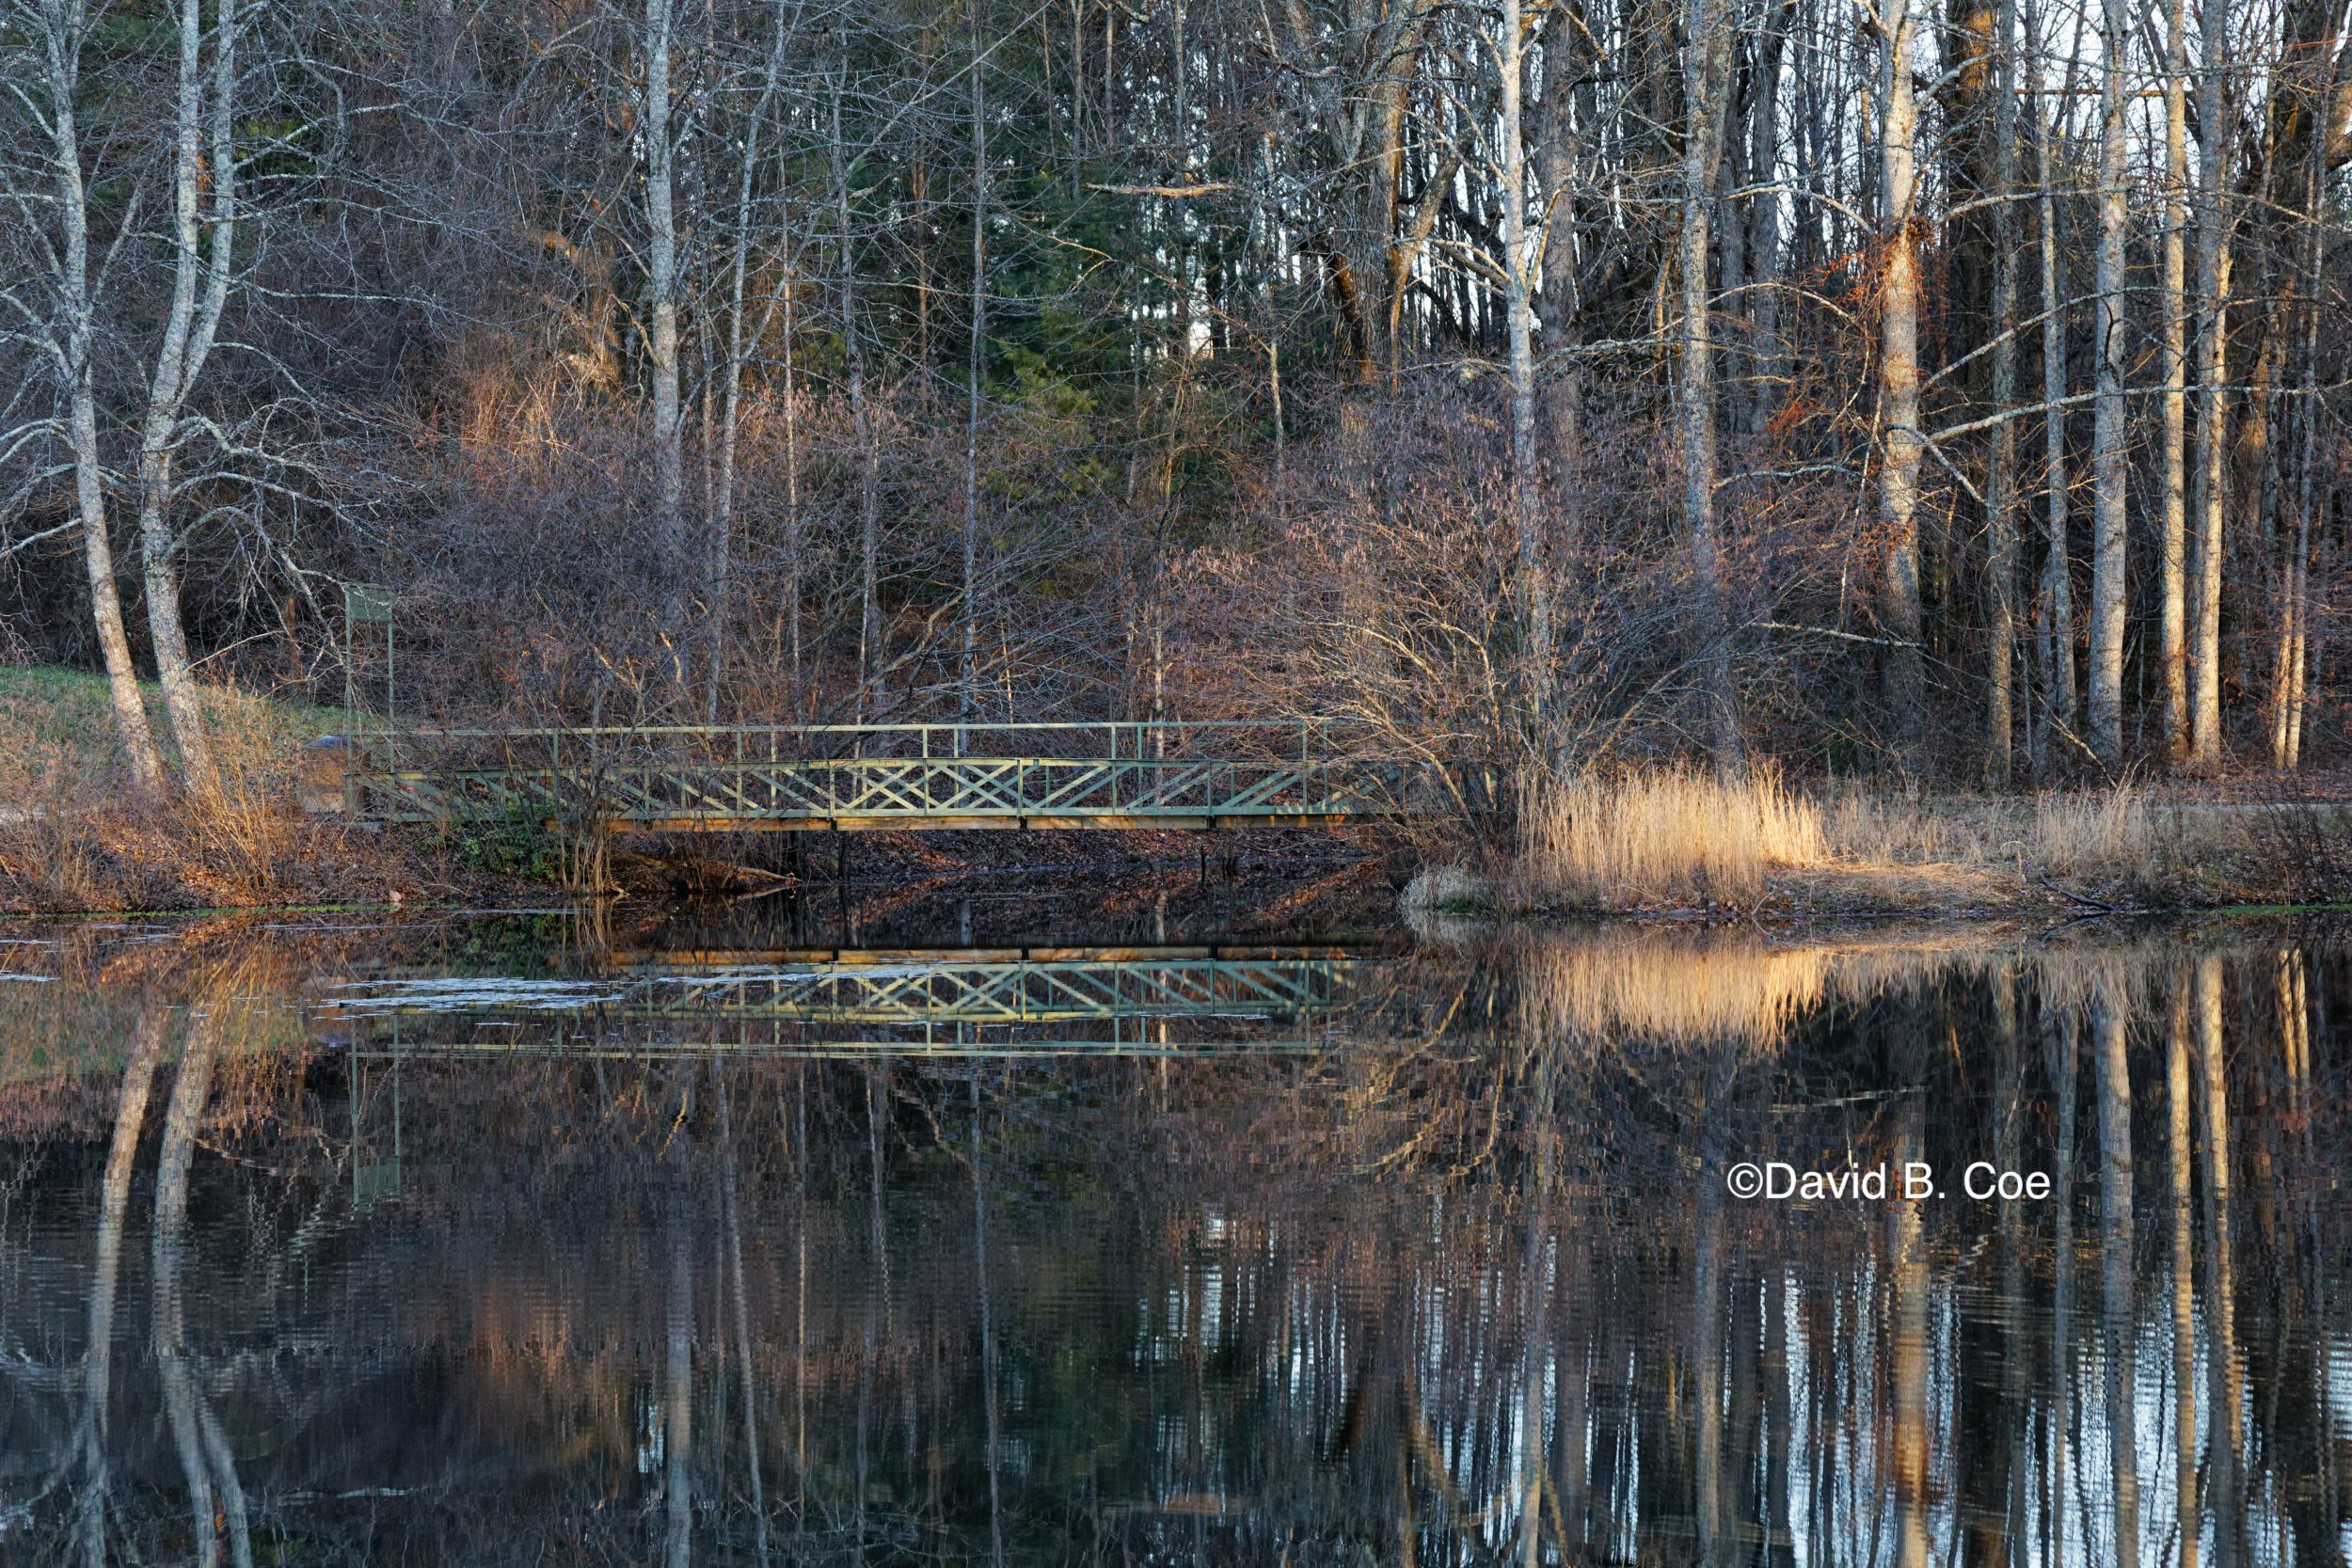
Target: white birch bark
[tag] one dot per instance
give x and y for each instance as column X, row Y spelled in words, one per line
column 1899, row 392
column 1527, row 501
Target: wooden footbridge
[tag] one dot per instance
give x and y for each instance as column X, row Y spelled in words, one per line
column 865, row 777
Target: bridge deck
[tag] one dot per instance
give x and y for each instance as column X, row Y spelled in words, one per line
column 862, row 777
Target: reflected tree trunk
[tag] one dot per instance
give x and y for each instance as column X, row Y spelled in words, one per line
column 2116, row 1235
column 678, row 1391
column 2179, row 1101
column 215, row 1496
column 2224, row 1391
column 1907, row 1332
column 2059, row 1043
column 138, row 1078
column 742, row 1311
column 988, row 1333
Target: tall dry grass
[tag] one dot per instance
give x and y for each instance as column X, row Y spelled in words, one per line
column 1585, row 840
column 1596, row 842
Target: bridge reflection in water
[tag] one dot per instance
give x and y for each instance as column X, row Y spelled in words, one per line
column 991, row 1002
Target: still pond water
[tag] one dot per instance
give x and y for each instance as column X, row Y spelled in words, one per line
column 516, row 1240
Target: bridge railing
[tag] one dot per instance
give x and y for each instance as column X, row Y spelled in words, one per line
column 1073, row 773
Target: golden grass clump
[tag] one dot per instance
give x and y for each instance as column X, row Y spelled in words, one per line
column 2074, row 836
column 1677, row 832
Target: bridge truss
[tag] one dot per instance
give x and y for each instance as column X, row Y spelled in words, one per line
column 875, row 776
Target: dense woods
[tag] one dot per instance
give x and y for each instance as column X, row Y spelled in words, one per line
column 1953, row 391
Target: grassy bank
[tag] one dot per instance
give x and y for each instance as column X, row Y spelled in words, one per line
column 75, row 837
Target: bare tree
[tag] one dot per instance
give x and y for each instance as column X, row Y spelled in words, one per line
column 64, row 329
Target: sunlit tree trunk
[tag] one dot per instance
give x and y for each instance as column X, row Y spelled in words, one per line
column 2174, row 546
column 1898, row 391
column 2212, row 488
column 2110, row 460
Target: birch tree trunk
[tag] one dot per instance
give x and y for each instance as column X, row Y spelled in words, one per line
column 661, row 290
column 2109, row 460
column 1707, row 45
column 69, row 342
column 1899, row 396
column 1527, row 500
column 2175, row 540
column 200, row 289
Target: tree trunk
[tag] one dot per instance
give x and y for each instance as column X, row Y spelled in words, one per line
column 975, row 373
column 1527, row 500
column 869, row 639
column 1898, row 401
column 2054, row 630
column 70, row 344
column 2116, row 1235
column 2173, row 549
column 2212, row 489
column 187, row 343
column 2111, row 459
column 1706, row 44
column 2000, row 491
column 662, row 289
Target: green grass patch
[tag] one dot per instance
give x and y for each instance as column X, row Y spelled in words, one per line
column 74, row 710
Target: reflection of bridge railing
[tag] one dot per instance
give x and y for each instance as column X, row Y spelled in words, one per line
column 992, row 1001
column 869, row 776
